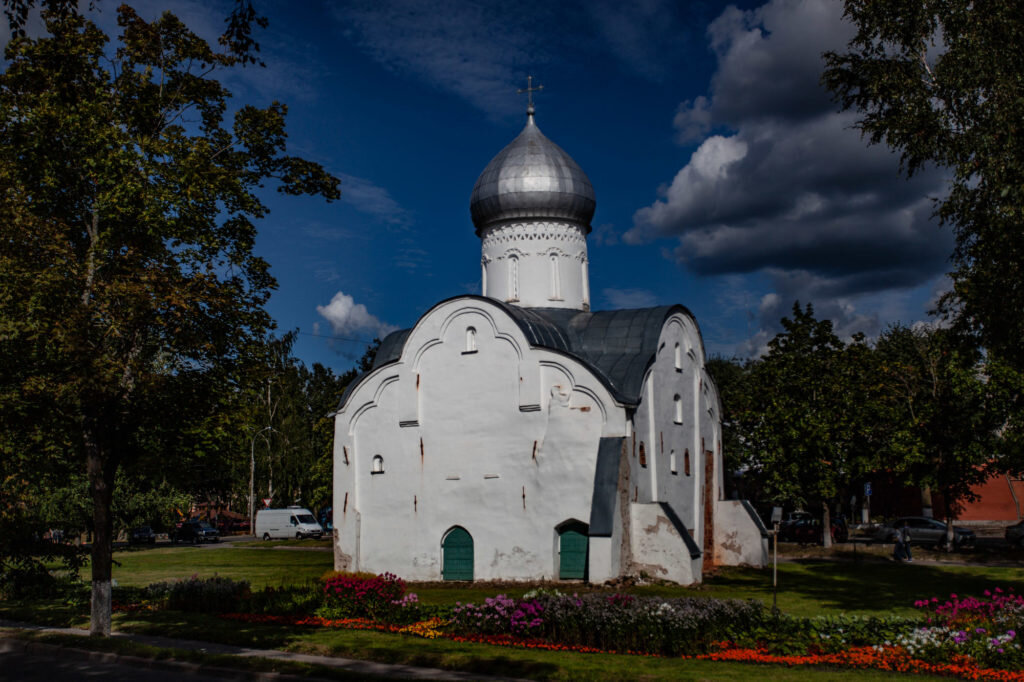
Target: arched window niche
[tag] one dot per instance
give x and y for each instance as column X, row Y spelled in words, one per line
column 513, row 278
column 378, row 465
column 470, row 340
column 686, row 461
column 556, row 285
column 679, row 358
column 678, row 409
column 672, row 463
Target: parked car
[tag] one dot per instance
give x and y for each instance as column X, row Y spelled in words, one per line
column 808, row 531
column 1015, row 534
column 789, row 523
column 142, row 535
column 925, row 531
column 195, row 532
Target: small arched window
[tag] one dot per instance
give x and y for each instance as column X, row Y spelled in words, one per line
column 470, row 339
column 513, row 278
column 556, row 285
column 643, row 455
column 679, row 409
column 378, row 465
column 679, row 358
column 686, row 461
column 672, row 462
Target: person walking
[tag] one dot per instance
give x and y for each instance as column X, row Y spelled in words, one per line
column 897, row 548
column 905, row 538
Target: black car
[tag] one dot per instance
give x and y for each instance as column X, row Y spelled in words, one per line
column 195, row 532
column 788, row 527
column 142, row 535
column 1015, row 534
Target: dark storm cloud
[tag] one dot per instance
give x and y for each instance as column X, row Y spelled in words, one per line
column 789, row 187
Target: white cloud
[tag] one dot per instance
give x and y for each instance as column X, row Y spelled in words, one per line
column 350, row 319
column 477, row 51
column 481, row 51
column 629, row 298
column 374, row 200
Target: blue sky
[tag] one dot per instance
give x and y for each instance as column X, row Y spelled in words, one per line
column 725, row 178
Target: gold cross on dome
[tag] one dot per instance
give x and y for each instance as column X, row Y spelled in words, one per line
column 529, row 90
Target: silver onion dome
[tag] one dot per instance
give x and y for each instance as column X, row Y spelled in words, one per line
column 532, row 178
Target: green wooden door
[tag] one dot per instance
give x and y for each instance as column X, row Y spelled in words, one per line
column 572, row 555
column 457, row 555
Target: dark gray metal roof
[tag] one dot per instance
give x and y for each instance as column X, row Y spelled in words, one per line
column 532, row 177
column 617, row 345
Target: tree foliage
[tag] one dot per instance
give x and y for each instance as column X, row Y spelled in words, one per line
column 800, row 435
column 946, row 414
column 940, row 82
column 131, row 297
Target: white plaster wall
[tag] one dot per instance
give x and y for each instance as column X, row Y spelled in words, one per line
column 658, row 429
column 658, row 549
column 533, row 244
column 738, row 540
column 481, row 452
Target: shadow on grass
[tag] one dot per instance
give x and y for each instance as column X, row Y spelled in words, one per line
column 871, row 584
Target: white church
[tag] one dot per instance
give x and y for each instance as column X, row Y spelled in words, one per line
column 519, row 435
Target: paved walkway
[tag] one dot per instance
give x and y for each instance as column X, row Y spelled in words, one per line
column 14, row 646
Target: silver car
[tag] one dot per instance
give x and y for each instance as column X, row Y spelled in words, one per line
column 925, row 531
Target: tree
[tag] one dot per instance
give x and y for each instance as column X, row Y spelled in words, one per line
column 939, row 82
column 131, row 298
column 800, row 433
column 731, row 377
column 947, row 416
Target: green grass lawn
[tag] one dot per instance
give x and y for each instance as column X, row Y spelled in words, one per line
column 262, row 566
column 871, row 585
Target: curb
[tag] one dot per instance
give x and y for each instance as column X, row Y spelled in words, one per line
column 14, row 645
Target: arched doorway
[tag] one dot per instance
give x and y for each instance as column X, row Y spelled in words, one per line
column 457, row 555
column 572, row 551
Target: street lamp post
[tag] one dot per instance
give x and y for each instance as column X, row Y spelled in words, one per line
column 252, row 474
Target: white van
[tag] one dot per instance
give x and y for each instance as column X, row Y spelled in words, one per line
column 293, row 522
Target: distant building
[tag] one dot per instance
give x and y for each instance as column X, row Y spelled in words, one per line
column 519, row 435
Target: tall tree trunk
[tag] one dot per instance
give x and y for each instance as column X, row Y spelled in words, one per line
column 101, row 486
column 826, row 525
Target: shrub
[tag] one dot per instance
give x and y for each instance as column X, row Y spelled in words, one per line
column 201, row 595
column 825, row 634
column 288, row 600
column 381, row 598
column 617, row 622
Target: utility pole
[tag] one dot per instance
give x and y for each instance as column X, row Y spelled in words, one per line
column 252, row 473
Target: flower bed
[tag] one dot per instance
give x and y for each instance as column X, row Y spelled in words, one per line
column 966, row 637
